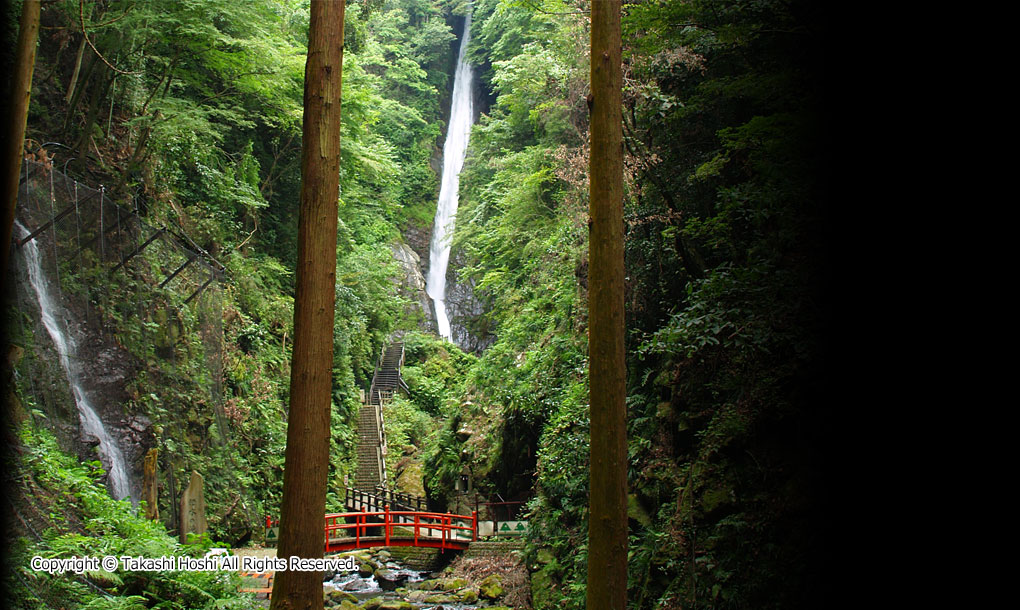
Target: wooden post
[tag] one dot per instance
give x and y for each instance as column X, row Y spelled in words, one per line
column 386, row 523
column 474, row 525
column 150, row 484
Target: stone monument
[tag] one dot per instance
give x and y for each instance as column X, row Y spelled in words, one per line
column 193, row 508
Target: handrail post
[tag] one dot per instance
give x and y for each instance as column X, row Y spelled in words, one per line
column 386, row 524
column 363, row 522
column 474, row 525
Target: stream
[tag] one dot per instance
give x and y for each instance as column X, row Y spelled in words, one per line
column 383, row 582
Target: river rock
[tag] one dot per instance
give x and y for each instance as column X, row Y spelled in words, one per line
column 337, row 597
column 469, row 595
column 452, row 584
column 341, row 600
column 365, row 568
column 388, row 579
column 491, row 587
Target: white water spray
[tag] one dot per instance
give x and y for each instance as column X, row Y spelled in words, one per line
column 91, row 425
column 453, row 160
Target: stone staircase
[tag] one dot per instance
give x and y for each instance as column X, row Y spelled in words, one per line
column 371, row 468
column 493, row 548
column 368, row 473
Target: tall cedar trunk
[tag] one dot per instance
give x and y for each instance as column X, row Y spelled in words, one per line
column 307, row 457
column 607, row 375
column 17, row 116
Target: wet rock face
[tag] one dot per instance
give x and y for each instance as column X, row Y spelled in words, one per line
column 468, row 323
column 418, row 238
column 412, row 284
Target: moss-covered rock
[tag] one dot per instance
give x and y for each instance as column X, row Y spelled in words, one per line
column 373, row 604
column 491, row 587
column 469, row 595
column 452, row 584
column 431, row 584
column 336, row 597
column 543, row 583
column 366, row 568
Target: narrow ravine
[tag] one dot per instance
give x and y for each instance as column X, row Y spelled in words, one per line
column 454, row 150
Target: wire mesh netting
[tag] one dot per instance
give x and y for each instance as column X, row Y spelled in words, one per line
column 88, row 230
column 147, row 289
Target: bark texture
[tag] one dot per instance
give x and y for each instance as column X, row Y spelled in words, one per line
column 17, row 116
column 307, row 457
column 607, row 526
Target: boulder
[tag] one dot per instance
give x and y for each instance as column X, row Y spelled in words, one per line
column 469, row 595
column 491, row 587
column 337, row 597
column 452, row 584
column 372, row 604
column 389, row 580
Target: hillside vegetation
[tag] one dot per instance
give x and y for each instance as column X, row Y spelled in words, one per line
column 190, row 112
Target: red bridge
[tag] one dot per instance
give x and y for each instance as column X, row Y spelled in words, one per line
column 361, row 530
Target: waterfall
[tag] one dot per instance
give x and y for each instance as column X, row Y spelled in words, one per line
column 52, row 317
column 454, row 150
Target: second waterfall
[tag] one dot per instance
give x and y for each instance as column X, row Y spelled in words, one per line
column 458, row 130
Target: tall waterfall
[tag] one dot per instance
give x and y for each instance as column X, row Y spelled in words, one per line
column 53, row 317
column 454, row 150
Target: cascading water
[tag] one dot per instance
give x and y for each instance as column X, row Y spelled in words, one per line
column 52, row 316
column 453, row 160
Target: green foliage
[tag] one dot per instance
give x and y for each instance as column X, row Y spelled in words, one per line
column 721, row 210
column 721, row 214
column 82, row 520
column 201, row 133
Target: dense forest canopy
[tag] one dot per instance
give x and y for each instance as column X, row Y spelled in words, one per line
column 189, row 114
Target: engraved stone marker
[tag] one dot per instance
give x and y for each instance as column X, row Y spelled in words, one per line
column 193, row 508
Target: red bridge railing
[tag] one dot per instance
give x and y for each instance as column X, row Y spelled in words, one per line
column 346, row 531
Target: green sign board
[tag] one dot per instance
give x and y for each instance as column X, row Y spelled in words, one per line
column 512, row 528
column 272, row 534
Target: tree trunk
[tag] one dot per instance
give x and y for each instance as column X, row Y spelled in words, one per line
column 17, row 116
column 307, row 457
column 74, row 74
column 607, row 374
